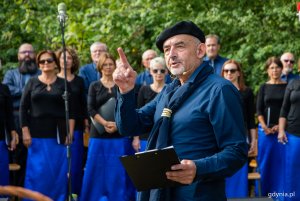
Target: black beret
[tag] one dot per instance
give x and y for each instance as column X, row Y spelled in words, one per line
column 183, row 27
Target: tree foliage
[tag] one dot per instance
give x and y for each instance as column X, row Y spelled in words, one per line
column 250, row 31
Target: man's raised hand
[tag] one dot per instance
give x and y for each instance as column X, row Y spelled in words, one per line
column 124, row 75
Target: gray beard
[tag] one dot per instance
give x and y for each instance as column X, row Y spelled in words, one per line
column 28, row 67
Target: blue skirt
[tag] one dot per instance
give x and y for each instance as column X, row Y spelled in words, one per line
column 77, row 151
column 143, row 144
column 4, row 161
column 237, row 184
column 292, row 168
column 46, row 170
column 105, row 179
column 270, row 160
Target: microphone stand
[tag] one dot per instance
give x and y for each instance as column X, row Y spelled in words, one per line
column 65, row 97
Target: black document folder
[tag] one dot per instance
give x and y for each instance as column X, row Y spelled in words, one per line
column 147, row 170
column 106, row 111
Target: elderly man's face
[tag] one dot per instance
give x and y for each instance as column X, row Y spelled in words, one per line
column 288, row 61
column 96, row 51
column 147, row 57
column 182, row 53
column 212, row 47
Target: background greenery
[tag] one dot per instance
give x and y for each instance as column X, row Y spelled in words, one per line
column 251, row 31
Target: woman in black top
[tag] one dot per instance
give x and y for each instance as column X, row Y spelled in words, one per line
column 80, row 111
column 237, row 185
column 158, row 70
column 289, row 134
column 42, row 117
column 269, row 101
column 106, row 145
column 6, row 128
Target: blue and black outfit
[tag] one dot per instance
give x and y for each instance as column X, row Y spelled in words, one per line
column 43, row 111
column 270, row 152
column 6, row 125
column 16, row 81
column 105, row 178
column 77, row 148
column 206, row 126
column 291, row 111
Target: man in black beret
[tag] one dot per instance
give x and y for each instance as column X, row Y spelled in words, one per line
column 199, row 113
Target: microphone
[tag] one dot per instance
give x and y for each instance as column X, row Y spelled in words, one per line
column 187, row 71
column 62, row 16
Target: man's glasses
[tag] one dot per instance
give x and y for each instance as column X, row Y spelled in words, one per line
column 26, row 51
column 230, row 70
column 291, row 61
column 49, row 61
column 162, row 71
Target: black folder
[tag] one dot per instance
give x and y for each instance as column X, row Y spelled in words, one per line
column 147, row 170
column 107, row 112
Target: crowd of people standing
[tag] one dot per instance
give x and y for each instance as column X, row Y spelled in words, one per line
column 33, row 118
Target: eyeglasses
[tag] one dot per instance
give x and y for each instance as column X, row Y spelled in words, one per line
column 230, row 70
column 26, row 51
column 291, row 61
column 98, row 51
column 162, row 71
column 49, row 61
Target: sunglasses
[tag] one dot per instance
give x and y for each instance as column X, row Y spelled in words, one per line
column 162, row 71
column 291, row 61
column 49, row 61
column 230, row 70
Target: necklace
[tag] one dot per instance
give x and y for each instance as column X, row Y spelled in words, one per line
column 48, row 83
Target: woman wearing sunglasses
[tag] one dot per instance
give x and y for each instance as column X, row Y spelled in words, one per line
column 42, row 117
column 158, row 70
column 270, row 152
column 237, row 185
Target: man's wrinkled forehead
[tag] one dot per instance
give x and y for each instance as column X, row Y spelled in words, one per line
column 180, row 39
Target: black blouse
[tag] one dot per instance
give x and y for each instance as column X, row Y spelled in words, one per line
column 79, row 101
column 6, row 111
column 291, row 107
column 248, row 108
column 269, row 101
column 97, row 96
column 43, row 111
column 145, row 95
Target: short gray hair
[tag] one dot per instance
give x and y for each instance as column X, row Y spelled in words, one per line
column 98, row 43
column 158, row 60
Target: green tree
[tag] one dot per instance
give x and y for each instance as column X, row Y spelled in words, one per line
column 251, row 31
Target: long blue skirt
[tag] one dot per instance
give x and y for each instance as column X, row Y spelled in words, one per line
column 77, row 150
column 46, row 170
column 237, row 184
column 104, row 178
column 271, row 162
column 143, row 144
column 292, row 169
column 4, row 161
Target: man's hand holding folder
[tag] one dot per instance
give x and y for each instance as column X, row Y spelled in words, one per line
column 158, row 169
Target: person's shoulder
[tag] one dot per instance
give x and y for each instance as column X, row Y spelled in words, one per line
column 85, row 67
column 12, row 71
column 223, row 59
column 78, row 78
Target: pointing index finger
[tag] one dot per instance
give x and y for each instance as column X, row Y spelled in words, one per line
column 123, row 58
